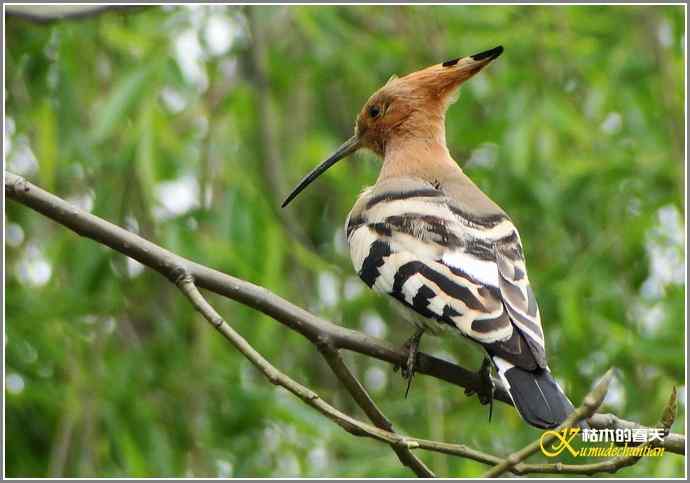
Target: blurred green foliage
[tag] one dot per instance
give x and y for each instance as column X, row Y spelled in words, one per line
column 160, row 120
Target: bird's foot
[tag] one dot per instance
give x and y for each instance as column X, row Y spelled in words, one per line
column 486, row 392
column 408, row 369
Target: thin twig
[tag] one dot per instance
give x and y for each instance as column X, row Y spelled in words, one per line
column 673, row 442
column 254, row 296
column 611, row 465
column 590, row 404
column 185, row 282
column 362, row 398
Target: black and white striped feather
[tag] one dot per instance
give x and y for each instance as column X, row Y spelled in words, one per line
column 460, row 268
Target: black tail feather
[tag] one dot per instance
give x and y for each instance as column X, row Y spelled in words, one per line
column 536, row 395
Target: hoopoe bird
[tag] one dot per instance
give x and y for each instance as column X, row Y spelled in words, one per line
column 426, row 235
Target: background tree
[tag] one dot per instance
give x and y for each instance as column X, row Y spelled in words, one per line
column 187, row 125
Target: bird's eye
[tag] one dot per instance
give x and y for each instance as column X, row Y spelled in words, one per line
column 374, row 111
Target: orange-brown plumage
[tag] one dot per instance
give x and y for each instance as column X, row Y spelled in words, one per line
column 409, row 130
column 404, row 121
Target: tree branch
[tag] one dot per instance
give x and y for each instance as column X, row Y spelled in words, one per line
column 362, row 398
column 611, row 465
column 185, row 281
column 590, row 404
column 673, row 442
column 187, row 275
column 254, row 296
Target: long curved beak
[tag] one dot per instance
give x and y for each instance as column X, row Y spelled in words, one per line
column 347, row 148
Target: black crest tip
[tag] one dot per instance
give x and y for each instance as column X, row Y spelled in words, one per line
column 490, row 54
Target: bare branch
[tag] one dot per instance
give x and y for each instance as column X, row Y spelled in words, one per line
column 254, row 296
column 362, row 398
column 673, row 442
column 611, row 465
column 185, row 282
column 590, row 404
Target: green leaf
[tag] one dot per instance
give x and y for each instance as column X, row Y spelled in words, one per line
column 120, row 102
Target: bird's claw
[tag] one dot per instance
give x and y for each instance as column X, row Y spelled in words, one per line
column 408, row 369
column 486, row 392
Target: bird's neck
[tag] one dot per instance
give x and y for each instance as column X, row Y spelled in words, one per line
column 420, row 157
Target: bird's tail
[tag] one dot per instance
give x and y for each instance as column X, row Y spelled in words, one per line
column 536, row 395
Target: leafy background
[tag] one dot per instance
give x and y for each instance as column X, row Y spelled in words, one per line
column 189, row 124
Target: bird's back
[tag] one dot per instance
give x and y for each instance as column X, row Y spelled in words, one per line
column 453, row 259
column 452, row 255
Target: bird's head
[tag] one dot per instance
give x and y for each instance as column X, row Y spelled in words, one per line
column 414, row 105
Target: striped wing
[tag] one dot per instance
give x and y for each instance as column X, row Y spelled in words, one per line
column 466, row 272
